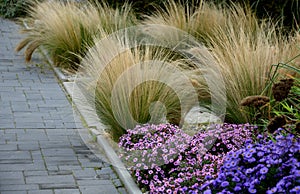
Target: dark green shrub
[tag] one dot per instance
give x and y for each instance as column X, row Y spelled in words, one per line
column 144, row 7
column 13, row 8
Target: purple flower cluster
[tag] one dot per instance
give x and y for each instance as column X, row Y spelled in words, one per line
column 164, row 159
column 149, row 151
column 263, row 167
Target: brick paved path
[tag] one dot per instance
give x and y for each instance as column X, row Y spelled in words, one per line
column 41, row 151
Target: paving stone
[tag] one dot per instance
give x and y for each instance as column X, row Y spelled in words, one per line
column 41, row 151
column 60, row 172
column 15, row 161
column 13, row 192
column 16, row 131
column 50, row 179
column 7, row 125
column 14, row 155
column 8, row 147
column 12, row 181
column 106, row 170
column 20, row 187
column 58, row 152
column 58, row 186
column 103, row 189
column 103, row 176
column 40, row 192
column 30, row 125
column 84, row 173
column 8, row 137
column 67, row 191
column 54, row 144
column 36, row 173
column 10, row 175
column 69, row 167
column 68, row 159
column 93, row 182
column 21, row 167
column 52, row 168
column 24, row 145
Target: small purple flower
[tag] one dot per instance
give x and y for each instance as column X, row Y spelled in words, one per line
column 297, row 173
column 252, row 190
column 271, row 191
column 260, row 154
column 237, row 188
column 234, row 163
column 248, row 154
column 249, row 171
column 264, row 170
column 236, row 179
column 224, row 184
column 208, row 191
column 295, row 190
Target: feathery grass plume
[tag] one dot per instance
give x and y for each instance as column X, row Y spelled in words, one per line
column 203, row 20
column 245, row 57
column 136, row 85
column 65, row 29
column 186, row 18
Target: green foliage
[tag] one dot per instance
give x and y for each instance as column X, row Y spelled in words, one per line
column 13, row 8
column 284, row 105
column 139, row 6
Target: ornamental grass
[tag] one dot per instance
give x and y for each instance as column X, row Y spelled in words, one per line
column 244, row 47
column 65, row 29
column 136, row 85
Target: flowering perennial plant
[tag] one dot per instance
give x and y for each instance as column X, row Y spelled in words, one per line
column 263, row 167
column 164, row 159
column 151, row 151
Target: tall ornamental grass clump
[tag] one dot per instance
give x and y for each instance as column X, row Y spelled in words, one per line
column 136, row 85
column 65, row 29
column 245, row 59
column 201, row 21
column 244, row 47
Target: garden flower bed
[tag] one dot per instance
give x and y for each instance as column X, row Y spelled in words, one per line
column 141, row 78
column 225, row 159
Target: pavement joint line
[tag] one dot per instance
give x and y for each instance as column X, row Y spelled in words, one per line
column 28, row 138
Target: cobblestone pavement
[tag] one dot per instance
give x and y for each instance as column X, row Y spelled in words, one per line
column 41, row 151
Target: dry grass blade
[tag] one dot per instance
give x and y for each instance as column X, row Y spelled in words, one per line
column 30, row 49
